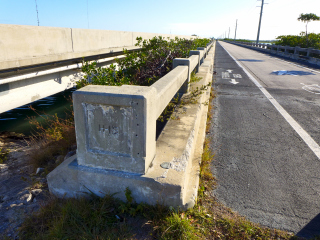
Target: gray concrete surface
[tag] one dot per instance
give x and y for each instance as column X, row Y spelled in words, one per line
column 23, row 45
column 265, row 169
column 116, row 127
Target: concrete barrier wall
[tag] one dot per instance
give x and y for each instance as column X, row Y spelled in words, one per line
column 22, row 45
column 285, row 51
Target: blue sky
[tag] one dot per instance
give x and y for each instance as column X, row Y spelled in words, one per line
column 205, row 18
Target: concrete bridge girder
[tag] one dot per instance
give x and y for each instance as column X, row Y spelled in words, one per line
column 21, row 90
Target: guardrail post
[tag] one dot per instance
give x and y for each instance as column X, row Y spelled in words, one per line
column 196, row 52
column 204, row 49
column 115, row 127
column 183, row 62
column 309, row 51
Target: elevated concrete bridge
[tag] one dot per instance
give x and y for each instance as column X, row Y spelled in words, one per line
column 36, row 62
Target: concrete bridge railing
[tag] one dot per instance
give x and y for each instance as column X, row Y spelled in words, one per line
column 286, row 51
column 116, row 138
column 22, row 45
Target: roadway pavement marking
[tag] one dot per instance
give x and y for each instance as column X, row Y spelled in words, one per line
column 295, row 125
column 313, row 88
column 237, row 76
column 225, row 75
column 233, row 81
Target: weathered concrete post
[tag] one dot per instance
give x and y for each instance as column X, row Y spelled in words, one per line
column 196, row 52
column 203, row 49
column 309, row 51
column 115, row 127
column 183, row 62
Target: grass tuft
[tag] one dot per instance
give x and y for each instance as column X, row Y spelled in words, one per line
column 3, row 155
column 56, row 138
column 94, row 218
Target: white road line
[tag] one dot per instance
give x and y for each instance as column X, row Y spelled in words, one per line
column 296, row 126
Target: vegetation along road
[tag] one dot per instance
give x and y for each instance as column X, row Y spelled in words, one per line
column 267, row 136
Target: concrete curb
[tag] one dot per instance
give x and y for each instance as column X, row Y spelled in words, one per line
column 194, row 182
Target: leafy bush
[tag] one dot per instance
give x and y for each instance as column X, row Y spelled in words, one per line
column 299, row 40
column 143, row 67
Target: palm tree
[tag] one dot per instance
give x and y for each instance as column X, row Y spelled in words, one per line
column 306, row 18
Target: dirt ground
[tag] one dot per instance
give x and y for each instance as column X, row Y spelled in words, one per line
column 22, row 191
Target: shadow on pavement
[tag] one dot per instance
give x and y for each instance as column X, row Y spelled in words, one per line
column 293, row 73
column 312, row 229
column 250, row 60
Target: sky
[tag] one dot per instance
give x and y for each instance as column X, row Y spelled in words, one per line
column 205, row 18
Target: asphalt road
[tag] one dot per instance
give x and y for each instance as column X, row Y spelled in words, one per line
column 266, row 136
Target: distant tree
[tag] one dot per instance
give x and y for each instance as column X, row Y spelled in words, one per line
column 306, row 18
column 195, row 35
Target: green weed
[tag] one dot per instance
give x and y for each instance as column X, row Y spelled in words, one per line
column 56, row 139
column 3, row 155
column 94, row 218
column 194, row 78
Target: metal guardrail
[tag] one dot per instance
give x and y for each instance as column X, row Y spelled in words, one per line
column 65, row 64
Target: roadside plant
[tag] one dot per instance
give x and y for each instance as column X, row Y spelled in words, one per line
column 143, row 67
column 54, row 137
column 3, row 155
column 306, row 18
column 299, row 40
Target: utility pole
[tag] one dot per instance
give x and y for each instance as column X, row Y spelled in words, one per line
column 88, row 13
column 37, row 12
column 229, row 33
column 235, row 32
column 262, row 3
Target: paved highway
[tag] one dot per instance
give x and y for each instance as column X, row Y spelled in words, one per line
column 266, row 136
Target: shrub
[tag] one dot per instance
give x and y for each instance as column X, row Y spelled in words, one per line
column 143, row 67
column 299, row 40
